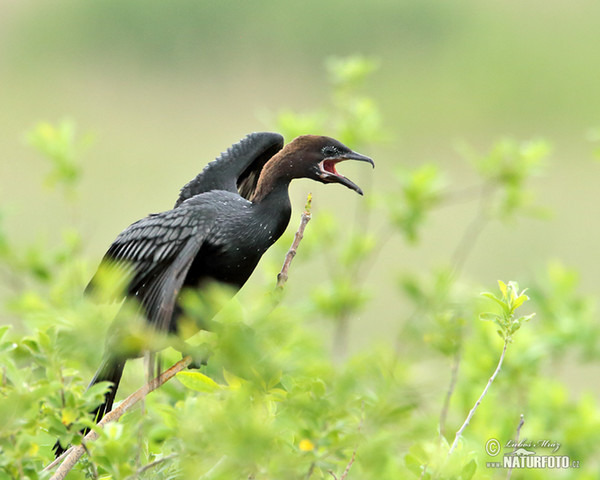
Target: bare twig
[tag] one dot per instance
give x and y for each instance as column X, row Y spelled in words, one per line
column 75, row 453
column 282, row 277
column 483, row 394
column 94, row 469
column 349, row 466
column 213, row 469
column 353, row 457
column 311, row 469
column 521, row 422
column 472, row 232
column 57, row 460
column 153, row 464
column 451, row 387
column 450, row 197
column 340, row 336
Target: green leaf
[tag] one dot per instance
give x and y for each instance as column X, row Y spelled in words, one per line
column 491, row 296
column 3, row 330
column 413, row 464
column 233, row 381
column 503, row 288
column 489, row 317
column 469, row 470
column 7, row 347
column 526, row 318
column 519, row 301
column 198, row 381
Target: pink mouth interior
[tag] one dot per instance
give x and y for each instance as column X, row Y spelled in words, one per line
column 329, row 166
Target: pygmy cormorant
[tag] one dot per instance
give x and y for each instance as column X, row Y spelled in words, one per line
column 222, row 223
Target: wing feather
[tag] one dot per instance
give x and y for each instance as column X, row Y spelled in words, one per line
column 237, row 169
column 152, row 258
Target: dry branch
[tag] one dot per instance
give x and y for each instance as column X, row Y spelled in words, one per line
column 73, row 454
column 282, row 277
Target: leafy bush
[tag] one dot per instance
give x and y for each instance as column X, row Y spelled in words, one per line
column 276, row 400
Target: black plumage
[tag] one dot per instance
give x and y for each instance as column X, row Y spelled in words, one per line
column 222, row 223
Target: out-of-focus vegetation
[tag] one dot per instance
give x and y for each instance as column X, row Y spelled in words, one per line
column 375, row 355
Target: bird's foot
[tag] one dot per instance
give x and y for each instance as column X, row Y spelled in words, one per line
column 199, row 353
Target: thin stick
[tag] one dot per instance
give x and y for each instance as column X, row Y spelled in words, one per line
column 75, row 453
column 349, row 466
column 485, row 390
column 472, row 232
column 451, row 387
column 351, row 462
column 521, row 422
column 153, row 464
column 282, row 277
column 94, row 469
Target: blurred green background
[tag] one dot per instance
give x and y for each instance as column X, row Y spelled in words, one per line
column 165, row 86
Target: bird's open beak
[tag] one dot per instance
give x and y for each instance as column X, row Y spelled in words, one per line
column 329, row 174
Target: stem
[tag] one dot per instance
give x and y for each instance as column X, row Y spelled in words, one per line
column 483, row 394
column 521, row 422
column 349, row 466
column 94, row 469
column 213, row 469
column 153, row 464
column 451, row 387
column 340, row 336
column 282, row 277
column 73, row 454
column 472, row 232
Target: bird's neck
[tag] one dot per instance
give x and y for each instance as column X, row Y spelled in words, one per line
column 273, row 208
column 274, row 180
column 271, row 197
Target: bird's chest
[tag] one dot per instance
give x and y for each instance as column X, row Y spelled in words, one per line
column 235, row 247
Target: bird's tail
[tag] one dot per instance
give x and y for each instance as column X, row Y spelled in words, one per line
column 110, row 370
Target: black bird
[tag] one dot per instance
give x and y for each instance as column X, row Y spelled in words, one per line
column 224, row 220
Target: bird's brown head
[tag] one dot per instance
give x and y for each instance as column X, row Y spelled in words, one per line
column 316, row 157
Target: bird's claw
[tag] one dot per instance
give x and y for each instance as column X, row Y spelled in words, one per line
column 200, row 355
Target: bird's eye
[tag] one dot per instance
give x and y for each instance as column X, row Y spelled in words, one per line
column 329, row 151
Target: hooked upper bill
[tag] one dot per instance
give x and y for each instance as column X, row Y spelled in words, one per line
column 328, row 172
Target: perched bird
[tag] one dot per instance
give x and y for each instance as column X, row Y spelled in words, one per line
column 224, row 220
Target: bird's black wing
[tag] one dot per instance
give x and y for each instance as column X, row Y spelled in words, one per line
column 152, row 257
column 237, row 169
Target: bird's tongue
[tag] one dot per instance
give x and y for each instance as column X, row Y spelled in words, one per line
column 329, row 167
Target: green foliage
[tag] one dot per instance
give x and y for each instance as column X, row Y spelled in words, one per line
column 275, row 399
column 352, row 118
column 429, row 460
column 60, row 145
column 509, row 301
column 420, row 193
column 445, row 309
column 507, row 167
column 569, row 317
